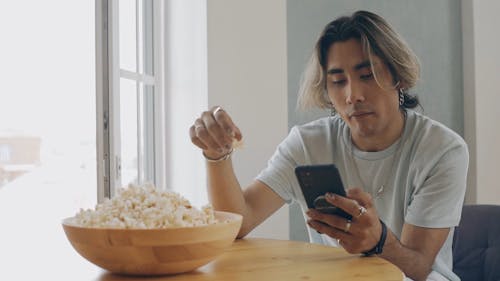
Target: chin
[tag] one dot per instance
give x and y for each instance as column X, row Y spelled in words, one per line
column 363, row 131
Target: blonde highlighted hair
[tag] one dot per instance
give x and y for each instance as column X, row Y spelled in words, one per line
column 377, row 38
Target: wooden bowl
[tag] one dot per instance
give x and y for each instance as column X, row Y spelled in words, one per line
column 154, row 251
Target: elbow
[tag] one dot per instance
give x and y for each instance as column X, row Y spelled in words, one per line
column 243, row 232
column 422, row 274
column 426, row 273
column 241, row 235
column 420, row 277
column 246, row 227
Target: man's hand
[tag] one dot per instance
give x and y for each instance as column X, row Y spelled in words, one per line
column 414, row 252
column 358, row 235
column 214, row 132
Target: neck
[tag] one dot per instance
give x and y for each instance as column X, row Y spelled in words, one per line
column 381, row 141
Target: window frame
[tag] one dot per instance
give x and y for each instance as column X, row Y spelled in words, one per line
column 151, row 128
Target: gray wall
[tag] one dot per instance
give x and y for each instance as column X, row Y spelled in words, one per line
column 431, row 28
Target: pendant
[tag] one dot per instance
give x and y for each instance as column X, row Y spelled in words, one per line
column 380, row 190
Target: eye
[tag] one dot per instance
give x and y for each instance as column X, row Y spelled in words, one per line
column 367, row 76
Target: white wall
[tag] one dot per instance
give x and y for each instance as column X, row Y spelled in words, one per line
column 482, row 97
column 247, row 75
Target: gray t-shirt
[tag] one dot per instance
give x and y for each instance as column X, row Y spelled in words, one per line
column 423, row 174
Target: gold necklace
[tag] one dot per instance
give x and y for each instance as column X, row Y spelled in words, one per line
column 397, row 153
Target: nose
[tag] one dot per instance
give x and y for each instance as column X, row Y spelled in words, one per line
column 354, row 93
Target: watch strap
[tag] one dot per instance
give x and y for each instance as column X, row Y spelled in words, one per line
column 379, row 247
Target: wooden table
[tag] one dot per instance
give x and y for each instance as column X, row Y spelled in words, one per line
column 39, row 251
column 266, row 259
column 33, row 247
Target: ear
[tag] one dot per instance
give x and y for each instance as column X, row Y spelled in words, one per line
column 327, row 100
column 400, row 85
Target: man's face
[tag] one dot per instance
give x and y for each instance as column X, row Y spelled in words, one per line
column 368, row 109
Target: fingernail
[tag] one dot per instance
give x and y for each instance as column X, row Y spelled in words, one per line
column 220, row 150
column 227, row 146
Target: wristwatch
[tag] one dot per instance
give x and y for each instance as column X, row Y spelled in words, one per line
column 377, row 250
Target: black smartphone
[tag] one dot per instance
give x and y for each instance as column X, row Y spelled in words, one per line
column 315, row 181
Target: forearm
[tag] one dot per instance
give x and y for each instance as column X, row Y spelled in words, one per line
column 224, row 191
column 414, row 264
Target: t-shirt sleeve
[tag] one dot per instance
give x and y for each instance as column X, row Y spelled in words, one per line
column 279, row 174
column 438, row 201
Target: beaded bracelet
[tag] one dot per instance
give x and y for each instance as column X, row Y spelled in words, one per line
column 220, row 159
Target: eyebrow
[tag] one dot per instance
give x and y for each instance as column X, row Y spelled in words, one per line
column 357, row 67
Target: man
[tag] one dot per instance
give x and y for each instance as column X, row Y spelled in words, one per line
column 406, row 173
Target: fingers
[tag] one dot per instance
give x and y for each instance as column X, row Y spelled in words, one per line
column 327, row 230
column 335, row 221
column 217, row 135
column 214, row 131
column 226, row 123
column 363, row 198
column 358, row 234
column 194, row 138
column 356, row 204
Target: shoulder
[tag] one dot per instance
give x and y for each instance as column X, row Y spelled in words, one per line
column 314, row 141
column 432, row 139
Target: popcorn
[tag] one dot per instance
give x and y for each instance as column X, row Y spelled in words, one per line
column 145, row 207
column 237, row 144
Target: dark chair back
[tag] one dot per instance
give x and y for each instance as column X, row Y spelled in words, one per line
column 476, row 244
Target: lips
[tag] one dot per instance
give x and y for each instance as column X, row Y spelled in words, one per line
column 357, row 114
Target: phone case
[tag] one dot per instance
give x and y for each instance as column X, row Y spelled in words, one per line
column 315, row 181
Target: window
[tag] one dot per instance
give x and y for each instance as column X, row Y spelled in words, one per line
column 129, row 93
column 151, row 85
column 47, row 129
column 47, row 108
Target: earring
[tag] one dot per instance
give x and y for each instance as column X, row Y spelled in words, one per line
column 401, row 96
column 332, row 109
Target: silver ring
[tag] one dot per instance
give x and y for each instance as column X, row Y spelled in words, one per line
column 362, row 210
column 347, row 226
column 217, row 109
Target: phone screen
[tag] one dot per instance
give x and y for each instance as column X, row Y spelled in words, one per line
column 315, row 181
